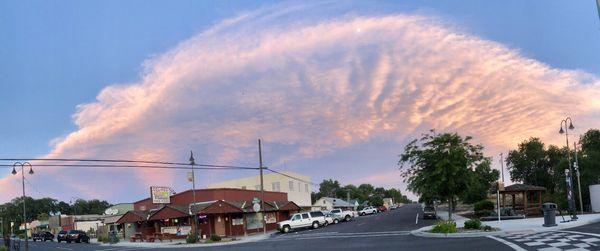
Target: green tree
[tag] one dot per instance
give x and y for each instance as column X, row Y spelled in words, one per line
column 531, row 164
column 440, row 167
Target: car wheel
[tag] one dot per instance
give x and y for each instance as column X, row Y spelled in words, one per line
column 68, row 241
column 286, row 229
column 315, row 225
column 362, row 214
column 326, row 223
column 347, row 218
column 335, row 221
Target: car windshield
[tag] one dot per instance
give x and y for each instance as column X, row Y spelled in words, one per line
column 62, row 232
column 73, row 232
column 428, row 208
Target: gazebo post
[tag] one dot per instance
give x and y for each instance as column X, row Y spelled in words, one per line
column 513, row 202
column 525, row 202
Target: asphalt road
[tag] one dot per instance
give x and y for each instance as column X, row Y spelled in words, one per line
column 386, row 231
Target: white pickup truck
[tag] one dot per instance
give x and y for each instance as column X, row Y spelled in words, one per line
column 340, row 215
column 302, row 220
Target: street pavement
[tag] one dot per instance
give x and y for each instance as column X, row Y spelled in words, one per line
column 384, row 231
column 577, row 238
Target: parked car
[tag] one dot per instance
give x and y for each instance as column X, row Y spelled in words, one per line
column 382, row 209
column 302, row 220
column 61, row 236
column 77, row 236
column 43, row 236
column 429, row 212
column 394, row 207
column 342, row 215
column 368, row 210
column 329, row 219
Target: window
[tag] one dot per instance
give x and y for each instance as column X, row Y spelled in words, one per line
column 257, row 187
column 299, row 187
column 244, row 187
column 305, row 216
column 316, row 214
column 296, row 217
column 291, row 185
column 306, row 187
column 275, row 186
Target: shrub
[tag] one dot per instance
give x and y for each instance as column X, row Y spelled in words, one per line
column 484, row 213
column 2, row 248
column 102, row 238
column 484, row 205
column 487, row 228
column 191, row 238
column 444, row 227
column 473, row 224
column 215, row 237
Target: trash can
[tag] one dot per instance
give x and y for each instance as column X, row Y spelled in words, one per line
column 549, row 210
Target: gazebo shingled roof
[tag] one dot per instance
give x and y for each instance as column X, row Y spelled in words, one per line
column 523, row 187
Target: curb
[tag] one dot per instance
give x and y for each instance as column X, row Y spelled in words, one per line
column 422, row 232
column 190, row 245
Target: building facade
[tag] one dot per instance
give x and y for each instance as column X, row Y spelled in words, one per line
column 223, row 212
column 298, row 189
column 327, row 204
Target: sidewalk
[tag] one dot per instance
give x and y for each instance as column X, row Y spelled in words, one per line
column 183, row 244
column 509, row 226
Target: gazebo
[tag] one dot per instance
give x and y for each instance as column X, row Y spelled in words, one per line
column 531, row 198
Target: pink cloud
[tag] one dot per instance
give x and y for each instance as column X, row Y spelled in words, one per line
column 311, row 89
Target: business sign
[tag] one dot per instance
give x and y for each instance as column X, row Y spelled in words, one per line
column 160, row 195
column 111, row 211
column 178, row 231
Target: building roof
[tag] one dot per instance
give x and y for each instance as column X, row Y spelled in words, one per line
column 133, row 216
column 210, row 189
column 522, row 188
column 223, row 206
column 337, row 202
column 169, row 212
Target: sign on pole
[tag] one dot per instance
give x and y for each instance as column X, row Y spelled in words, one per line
column 160, row 195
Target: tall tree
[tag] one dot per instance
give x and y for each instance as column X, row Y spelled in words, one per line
column 532, row 164
column 440, row 167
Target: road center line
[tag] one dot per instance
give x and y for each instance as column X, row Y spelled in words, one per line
column 508, row 243
column 417, row 219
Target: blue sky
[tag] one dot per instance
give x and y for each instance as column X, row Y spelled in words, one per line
column 56, row 55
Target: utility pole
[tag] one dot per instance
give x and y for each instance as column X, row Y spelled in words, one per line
column 262, row 188
column 502, row 165
column 576, row 165
column 193, row 163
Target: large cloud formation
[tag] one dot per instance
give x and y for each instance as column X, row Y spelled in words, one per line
column 310, row 89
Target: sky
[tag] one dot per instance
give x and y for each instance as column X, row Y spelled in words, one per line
column 334, row 89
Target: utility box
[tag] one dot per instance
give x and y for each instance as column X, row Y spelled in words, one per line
column 595, row 198
column 549, row 210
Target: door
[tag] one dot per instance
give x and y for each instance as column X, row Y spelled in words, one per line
column 306, row 220
column 220, row 226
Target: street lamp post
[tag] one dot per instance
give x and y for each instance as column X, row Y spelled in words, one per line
column 14, row 172
column 576, row 164
column 568, row 127
column 195, row 217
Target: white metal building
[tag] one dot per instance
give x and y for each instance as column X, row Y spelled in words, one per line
column 298, row 189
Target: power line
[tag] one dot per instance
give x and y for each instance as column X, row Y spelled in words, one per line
column 125, row 161
column 215, row 167
column 291, row 177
